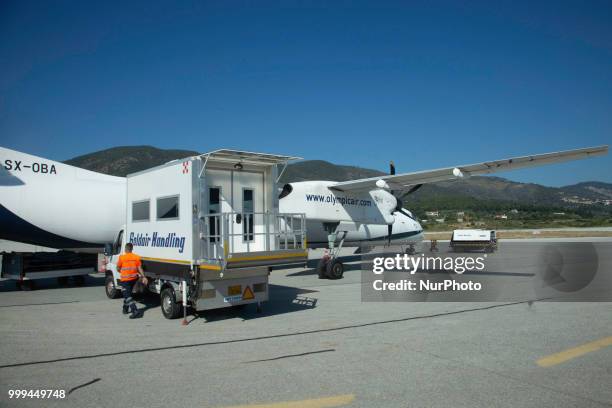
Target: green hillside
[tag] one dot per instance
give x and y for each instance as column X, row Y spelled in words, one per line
column 480, row 198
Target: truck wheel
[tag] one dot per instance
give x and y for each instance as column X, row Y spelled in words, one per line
column 62, row 281
column 170, row 308
column 335, row 269
column 109, row 287
column 79, row 280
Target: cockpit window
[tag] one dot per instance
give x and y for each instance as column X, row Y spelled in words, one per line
column 287, row 189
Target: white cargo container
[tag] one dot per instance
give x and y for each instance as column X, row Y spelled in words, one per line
column 473, row 239
column 208, row 230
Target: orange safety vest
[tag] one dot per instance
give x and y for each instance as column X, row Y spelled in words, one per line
column 128, row 266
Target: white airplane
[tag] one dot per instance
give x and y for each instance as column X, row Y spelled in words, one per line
column 52, row 204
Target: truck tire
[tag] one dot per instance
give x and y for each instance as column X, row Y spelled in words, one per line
column 109, row 287
column 170, row 308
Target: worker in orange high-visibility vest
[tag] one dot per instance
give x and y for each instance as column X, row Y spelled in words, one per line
column 130, row 268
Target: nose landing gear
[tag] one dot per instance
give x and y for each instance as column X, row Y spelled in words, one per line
column 329, row 265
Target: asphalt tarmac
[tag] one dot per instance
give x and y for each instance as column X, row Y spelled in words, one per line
column 316, row 344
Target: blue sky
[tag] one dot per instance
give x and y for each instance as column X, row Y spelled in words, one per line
column 427, row 84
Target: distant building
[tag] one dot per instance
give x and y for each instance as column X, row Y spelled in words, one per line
column 558, row 213
column 460, row 213
column 501, row 217
column 459, row 219
column 440, row 220
column 431, row 213
column 514, row 211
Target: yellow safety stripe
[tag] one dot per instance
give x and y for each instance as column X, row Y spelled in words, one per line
column 210, row 267
column 167, row 260
column 238, row 259
column 257, row 258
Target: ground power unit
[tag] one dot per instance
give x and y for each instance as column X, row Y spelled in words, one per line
column 473, row 240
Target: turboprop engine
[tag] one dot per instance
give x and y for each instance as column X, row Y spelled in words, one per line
column 385, row 201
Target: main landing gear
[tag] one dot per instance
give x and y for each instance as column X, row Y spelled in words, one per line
column 329, row 265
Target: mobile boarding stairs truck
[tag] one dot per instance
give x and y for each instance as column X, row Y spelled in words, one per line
column 208, row 230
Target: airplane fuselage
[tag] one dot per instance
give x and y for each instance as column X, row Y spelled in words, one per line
column 325, row 207
column 44, row 202
column 48, row 203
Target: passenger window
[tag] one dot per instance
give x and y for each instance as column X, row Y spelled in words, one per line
column 140, row 210
column 168, row 208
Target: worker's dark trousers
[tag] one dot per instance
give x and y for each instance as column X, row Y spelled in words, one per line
column 128, row 301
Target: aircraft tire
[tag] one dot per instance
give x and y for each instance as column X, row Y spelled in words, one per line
column 322, row 268
column 335, row 269
column 79, row 280
column 28, row 285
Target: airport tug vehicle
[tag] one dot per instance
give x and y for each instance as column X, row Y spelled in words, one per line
column 208, row 230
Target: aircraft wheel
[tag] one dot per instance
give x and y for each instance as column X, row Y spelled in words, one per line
column 170, row 308
column 109, row 287
column 78, row 280
column 322, row 268
column 335, row 269
column 27, row 285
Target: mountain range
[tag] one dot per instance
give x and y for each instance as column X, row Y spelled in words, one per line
column 120, row 161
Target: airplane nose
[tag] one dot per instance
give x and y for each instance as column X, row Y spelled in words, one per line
column 418, row 226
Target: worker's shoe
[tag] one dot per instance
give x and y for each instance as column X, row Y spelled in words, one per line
column 125, row 310
column 136, row 314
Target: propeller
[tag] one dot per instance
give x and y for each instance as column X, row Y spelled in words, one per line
column 399, row 207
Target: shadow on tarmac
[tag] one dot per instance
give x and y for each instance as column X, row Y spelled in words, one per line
column 10, row 285
column 283, row 299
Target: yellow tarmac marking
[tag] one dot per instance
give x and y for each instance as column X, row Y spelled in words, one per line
column 574, row 352
column 325, row 402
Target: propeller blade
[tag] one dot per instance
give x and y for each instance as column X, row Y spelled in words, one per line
column 391, row 168
column 413, row 189
column 389, row 233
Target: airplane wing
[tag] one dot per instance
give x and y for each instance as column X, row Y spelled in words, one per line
column 402, row 182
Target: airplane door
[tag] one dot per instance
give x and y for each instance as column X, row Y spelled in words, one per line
column 248, row 199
